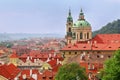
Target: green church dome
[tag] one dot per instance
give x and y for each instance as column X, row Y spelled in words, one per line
column 81, row 23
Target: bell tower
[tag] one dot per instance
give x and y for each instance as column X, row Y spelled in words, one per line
column 69, row 25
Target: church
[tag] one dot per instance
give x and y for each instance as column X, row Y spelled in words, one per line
column 78, row 31
column 90, row 52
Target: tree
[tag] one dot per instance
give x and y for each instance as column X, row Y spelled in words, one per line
column 112, row 68
column 71, row 72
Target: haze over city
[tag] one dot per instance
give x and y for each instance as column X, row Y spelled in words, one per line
column 49, row 16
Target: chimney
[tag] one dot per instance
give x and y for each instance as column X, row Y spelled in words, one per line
column 48, row 59
column 95, row 42
column 30, row 72
column 24, row 76
column 34, row 76
column 88, row 42
column 58, row 61
column 35, row 60
column 49, row 55
column 28, row 58
column 54, row 54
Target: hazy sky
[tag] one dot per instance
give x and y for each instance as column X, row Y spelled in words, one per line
column 49, row 16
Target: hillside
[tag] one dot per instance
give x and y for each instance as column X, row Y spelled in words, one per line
column 110, row 28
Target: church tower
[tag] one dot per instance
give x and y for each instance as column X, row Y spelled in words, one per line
column 69, row 25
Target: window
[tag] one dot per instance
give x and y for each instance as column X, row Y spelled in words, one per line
column 81, row 35
column 98, row 52
column 98, row 56
column 75, row 52
column 109, row 56
column 69, row 52
column 69, row 23
column 74, row 35
column 69, row 29
column 87, row 35
column 50, row 77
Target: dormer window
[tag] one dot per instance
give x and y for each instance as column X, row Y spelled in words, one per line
column 50, row 77
column 84, row 47
column 69, row 47
column 109, row 47
column 96, row 47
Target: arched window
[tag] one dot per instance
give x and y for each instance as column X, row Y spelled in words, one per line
column 87, row 35
column 69, row 29
column 81, row 35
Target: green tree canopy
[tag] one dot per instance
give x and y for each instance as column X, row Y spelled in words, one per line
column 71, row 71
column 112, row 68
column 110, row 28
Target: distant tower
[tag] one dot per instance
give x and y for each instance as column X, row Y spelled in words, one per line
column 79, row 31
column 69, row 25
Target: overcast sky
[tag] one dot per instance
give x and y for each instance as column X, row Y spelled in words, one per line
column 49, row 16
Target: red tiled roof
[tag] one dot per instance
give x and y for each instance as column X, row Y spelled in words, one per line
column 56, row 68
column 9, row 71
column 52, row 63
column 14, row 55
column 99, row 42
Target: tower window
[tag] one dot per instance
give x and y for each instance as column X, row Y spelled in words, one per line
column 69, row 29
column 74, row 35
column 81, row 35
column 69, row 23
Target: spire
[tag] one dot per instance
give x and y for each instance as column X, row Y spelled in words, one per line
column 81, row 12
column 69, row 18
column 69, row 12
column 81, row 15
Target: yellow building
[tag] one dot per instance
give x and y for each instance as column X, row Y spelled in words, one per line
column 78, row 31
column 14, row 59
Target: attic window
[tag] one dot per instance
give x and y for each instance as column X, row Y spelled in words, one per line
column 84, row 47
column 109, row 47
column 118, row 47
column 96, row 47
column 69, row 47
